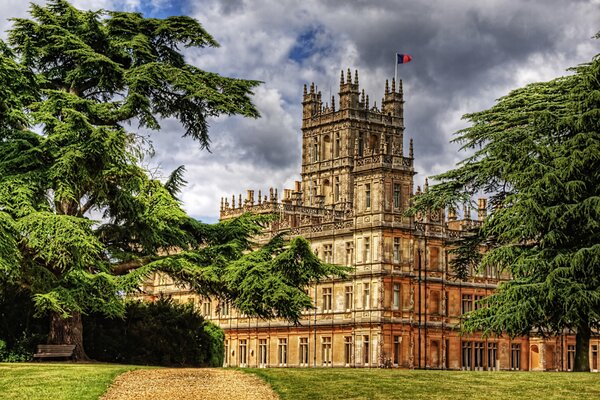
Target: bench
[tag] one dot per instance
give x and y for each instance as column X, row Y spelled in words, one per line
column 54, row 350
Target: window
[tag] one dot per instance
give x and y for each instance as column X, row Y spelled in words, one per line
column 366, row 349
column 336, row 190
column 314, row 191
column 243, row 353
column 368, row 195
column 396, row 195
column 478, row 298
column 282, row 352
column 303, row 352
column 349, row 253
column 466, row 355
column 366, row 295
column 396, row 296
column 434, row 302
column 570, row 357
column 467, row 303
column 328, row 253
column 262, row 353
column 224, row 308
column 349, row 298
column 515, row 357
column 397, row 342
column 206, row 308
column 315, row 151
column 326, row 351
column 479, row 348
column 492, row 355
column 361, row 145
column 367, row 250
column 336, row 149
column 594, row 357
column 396, row 250
column 226, row 356
column 326, row 299
column 434, row 258
column 347, row 350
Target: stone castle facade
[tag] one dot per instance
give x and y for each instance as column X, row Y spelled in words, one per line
column 401, row 305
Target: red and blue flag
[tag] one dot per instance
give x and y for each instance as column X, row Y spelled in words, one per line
column 403, row 58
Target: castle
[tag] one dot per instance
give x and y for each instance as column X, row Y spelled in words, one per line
column 401, row 305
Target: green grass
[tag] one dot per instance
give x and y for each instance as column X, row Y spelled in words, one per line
column 57, row 381
column 297, row 384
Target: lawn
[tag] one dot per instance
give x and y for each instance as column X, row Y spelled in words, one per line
column 57, row 381
column 313, row 384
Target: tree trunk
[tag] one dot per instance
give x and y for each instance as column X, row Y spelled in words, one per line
column 582, row 349
column 68, row 331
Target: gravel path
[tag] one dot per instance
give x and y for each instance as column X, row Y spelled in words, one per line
column 188, row 384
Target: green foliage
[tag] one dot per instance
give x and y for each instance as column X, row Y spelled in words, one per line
column 82, row 78
column 537, row 153
column 158, row 333
column 20, row 330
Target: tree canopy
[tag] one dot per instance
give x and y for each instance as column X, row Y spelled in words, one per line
column 536, row 153
column 72, row 85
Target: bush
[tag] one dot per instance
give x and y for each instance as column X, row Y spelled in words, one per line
column 20, row 330
column 158, row 333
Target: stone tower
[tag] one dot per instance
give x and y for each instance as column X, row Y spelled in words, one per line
column 352, row 155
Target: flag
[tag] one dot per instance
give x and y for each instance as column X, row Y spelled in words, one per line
column 403, row 58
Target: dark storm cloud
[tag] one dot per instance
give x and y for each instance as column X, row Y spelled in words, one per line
column 465, row 54
column 460, row 50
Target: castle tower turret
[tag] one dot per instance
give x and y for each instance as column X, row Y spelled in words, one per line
column 393, row 101
column 310, row 102
column 349, row 91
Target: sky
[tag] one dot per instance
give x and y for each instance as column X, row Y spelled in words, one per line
column 466, row 54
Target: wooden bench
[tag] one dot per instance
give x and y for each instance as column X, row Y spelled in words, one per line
column 54, row 350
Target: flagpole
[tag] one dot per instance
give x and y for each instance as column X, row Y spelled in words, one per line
column 396, row 69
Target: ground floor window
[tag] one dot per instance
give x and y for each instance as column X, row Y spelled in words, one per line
column 396, row 353
column 479, row 352
column 570, row 357
column 515, row 357
column 282, row 352
column 366, row 349
column 303, row 352
column 326, row 351
column 348, row 350
column 226, row 356
column 594, row 360
column 466, row 355
column 262, row 353
column 492, row 356
column 243, row 353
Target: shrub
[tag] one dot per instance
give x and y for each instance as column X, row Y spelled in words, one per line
column 20, row 330
column 157, row 333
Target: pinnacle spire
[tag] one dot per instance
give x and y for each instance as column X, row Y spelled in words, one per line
column 356, row 77
column 341, row 77
column 393, row 85
column 387, row 86
column 349, row 76
column 410, row 149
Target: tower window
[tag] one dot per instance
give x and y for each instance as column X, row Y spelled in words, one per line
column 336, row 190
column 368, row 195
column 396, row 195
column 336, row 149
column 361, row 145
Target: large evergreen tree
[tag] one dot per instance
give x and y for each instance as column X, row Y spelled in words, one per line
column 72, row 83
column 537, row 154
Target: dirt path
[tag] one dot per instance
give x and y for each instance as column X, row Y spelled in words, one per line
column 188, row 384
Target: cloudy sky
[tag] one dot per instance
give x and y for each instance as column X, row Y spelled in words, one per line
column 465, row 55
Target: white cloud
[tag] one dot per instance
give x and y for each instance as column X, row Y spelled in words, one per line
column 466, row 55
